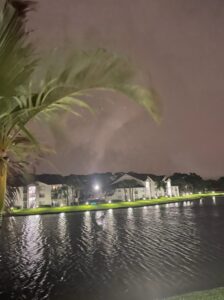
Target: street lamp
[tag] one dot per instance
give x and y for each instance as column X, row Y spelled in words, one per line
column 96, row 187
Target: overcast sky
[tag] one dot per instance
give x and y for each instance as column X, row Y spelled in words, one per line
column 179, row 45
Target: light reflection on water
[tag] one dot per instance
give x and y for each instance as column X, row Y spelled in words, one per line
column 110, row 236
column 87, row 230
column 31, row 254
column 142, row 253
column 63, row 236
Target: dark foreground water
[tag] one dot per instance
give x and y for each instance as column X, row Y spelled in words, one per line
column 142, row 253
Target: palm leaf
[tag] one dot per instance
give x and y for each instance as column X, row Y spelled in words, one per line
column 64, row 85
column 11, row 196
column 16, row 54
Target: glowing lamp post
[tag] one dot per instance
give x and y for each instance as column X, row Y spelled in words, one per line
column 96, row 187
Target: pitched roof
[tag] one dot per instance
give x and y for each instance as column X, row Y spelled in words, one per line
column 128, row 177
column 144, row 176
column 50, row 179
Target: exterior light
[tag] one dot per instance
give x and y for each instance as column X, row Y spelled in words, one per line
column 87, row 203
column 61, row 205
column 109, row 201
column 129, row 200
column 213, row 192
column 96, row 187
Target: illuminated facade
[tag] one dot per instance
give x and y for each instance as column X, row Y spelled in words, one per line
column 128, row 187
column 40, row 194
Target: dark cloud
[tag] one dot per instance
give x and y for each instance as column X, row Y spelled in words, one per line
column 180, row 43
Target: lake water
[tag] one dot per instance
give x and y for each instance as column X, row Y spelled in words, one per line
column 139, row 254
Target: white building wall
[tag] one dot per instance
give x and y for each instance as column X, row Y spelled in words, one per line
column 160, row 192
column 139, row 193
column 175, row 191
column 168, row 188
column 44, row 194
column 151, row 188
column 40, row 194
column 119, row 194
column 150, row 191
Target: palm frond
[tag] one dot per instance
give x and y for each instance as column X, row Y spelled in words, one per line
column 22, row 6
column 95, row 70
column 12, row 194
column 98, row 70
column 64, row 85
column 16, row 54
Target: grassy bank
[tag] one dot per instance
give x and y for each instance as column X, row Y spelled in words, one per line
column 106, row 206
column 215, row 294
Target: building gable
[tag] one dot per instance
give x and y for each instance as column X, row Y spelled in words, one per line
column 129, row 177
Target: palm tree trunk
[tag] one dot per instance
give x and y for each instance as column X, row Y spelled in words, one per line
column 3, row 179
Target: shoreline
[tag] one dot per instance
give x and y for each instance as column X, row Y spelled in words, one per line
column 215, row 294
column 107, row 206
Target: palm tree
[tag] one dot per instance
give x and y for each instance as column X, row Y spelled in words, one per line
column 76, row 184
column 24, row 98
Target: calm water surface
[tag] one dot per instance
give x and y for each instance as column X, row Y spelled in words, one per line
column 142, row 253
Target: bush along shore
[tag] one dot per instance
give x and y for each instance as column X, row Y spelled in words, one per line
column 106, row 206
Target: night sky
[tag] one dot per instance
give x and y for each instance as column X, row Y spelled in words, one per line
column 179, row 46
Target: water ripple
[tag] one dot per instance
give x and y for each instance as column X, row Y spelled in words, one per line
column 142, row 253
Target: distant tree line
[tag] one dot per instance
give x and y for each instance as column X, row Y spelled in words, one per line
column 83, row 184
column 194, row 183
